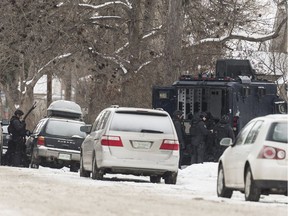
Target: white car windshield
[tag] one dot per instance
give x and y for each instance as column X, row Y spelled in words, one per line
column 144, row 123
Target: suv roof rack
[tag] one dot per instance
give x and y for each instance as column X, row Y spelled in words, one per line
column 65, row 109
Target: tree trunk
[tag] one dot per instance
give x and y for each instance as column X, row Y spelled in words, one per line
column 173, row 42
column 68, row 86
column 49, row 89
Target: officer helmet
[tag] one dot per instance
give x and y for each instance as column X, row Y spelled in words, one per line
column 202, row 115
column 225, row 118
column 19, row 112
column 177, row 113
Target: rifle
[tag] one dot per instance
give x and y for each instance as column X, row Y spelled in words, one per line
column 30, row 110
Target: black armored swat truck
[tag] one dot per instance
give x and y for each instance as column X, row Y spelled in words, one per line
column 234, row 91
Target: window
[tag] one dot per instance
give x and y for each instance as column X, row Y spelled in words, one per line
column 246, row 91
column 253, row 133
column 39, row 126
column 97, row 122
column 163, row 95
column 103, row 120
column 261, row 91
column 241, row 136
column 138, row 122
column 278, row 132
column 65, row 128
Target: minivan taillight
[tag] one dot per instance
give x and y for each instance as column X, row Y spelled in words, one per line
column 170, row 145
column 40, row 140
column 111, row 141
column 269, row 152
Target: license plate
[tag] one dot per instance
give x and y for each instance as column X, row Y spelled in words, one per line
column 64, row 156
column 141, row 144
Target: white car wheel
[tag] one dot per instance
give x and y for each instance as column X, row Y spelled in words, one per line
column 170, row 178
column 96, row 172
column 83, row 172
column 252, row 193
column 222, row 191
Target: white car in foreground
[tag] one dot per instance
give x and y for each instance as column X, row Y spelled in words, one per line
column 131, row 141
column 257, row 162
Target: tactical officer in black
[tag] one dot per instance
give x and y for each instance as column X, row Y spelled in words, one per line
column 198, row 132
column 16, row 144
column 222, row 129
column 209, row 142
column 177, row 120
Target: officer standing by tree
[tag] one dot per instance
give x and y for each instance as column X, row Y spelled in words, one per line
column 17, row 130
column 222, row 129
column 198, row 132
column 177, row 120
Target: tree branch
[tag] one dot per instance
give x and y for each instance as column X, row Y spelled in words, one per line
column 246, row 38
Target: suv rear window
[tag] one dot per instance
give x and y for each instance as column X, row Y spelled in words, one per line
column 64, row 128
column 278, row 132
column 134, row 122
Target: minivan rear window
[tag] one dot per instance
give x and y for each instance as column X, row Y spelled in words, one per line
column 64, row 128
column 134, row 122
column 278, row 132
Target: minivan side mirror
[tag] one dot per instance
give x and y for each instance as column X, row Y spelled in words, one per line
column 226, row 141
column 86, row 128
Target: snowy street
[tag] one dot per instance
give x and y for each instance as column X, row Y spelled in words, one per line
column 59, row 192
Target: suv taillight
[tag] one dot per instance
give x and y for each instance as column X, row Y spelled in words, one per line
column 170, row 145
column 40, row 140
column 269, row 152
column 111, row 141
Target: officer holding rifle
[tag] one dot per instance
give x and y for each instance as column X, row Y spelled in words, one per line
column 15, row 154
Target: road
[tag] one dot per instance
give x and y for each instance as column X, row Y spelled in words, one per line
column 47, row 191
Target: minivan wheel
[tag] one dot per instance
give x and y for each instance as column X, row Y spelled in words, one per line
column 155, row 179
column 170, row 178
column 96, row 172
column 222, row 191
column 83, row 172
column 252, row 193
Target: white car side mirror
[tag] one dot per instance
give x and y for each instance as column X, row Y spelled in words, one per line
column 226, row 141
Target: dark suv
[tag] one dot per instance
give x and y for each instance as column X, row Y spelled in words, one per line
column 55, row 142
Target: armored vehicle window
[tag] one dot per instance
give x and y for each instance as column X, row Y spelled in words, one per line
column 163, row 95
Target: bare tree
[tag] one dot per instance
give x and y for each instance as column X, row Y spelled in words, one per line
column 113, row 52
column 31, row 34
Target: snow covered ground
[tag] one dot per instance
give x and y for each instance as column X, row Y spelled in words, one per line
column 59, row 192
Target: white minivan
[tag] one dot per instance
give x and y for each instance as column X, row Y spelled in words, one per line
column 137, row 141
